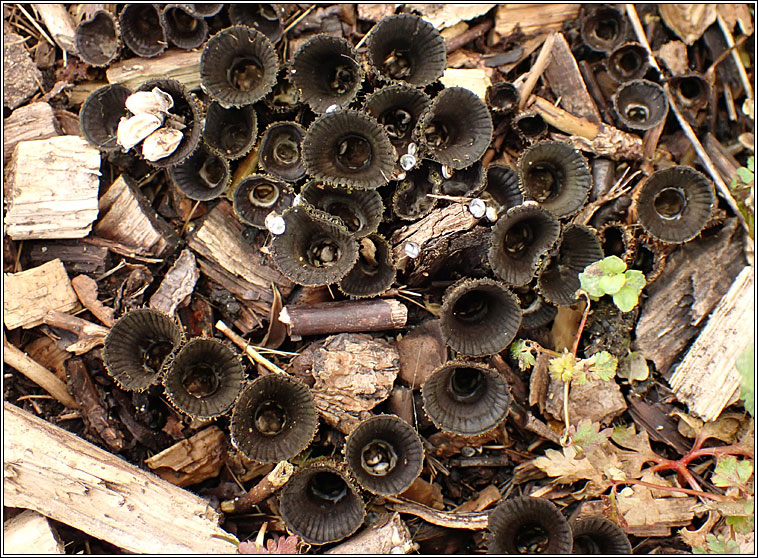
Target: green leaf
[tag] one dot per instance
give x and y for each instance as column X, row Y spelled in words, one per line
column 731, row 471
column 741, row 523
column 635, row 279
column 633, row 367
column 746, row 369
column 603, row 364
column 564, row 367
column 612, row 265
column 523, row 353
column 745, row 175
column 626, row 299
column 721, row 545
column 611, row 284
column 588, row 434
column 751, row 163
column 591, row 284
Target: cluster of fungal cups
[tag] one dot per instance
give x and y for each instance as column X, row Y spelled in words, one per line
column 368, row 133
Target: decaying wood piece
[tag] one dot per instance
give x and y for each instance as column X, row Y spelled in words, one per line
column 28, row 295
column 21, row 77
column 268, row 485
column 421, row 350
column 77, row 257
column 450, row 519
column 193, row 460
column 697, row 275
column 532, row 18
column 447, row 15
column 223, row 252
column 47, row 353
column 706, row 379
column 474, row 79
column 91, row 407
column 564, row 78
column 488, row 495
column 86, row 290
column 535, row 72
column 88, row 335
column 667, row 513
column 59, row 24
column 177, row 285
column 343, row 317
column 56, row 473
column 37, row 374
column 127, row 217
column 725, row 163
column 600, row 139
column 354, row 372
column 53, row 187
column 181, row 65
column 30, row 533
column 34, row 121
column 430, row 234
column 389, row 535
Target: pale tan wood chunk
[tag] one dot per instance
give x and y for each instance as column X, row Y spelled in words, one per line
column 31, row 122
column 30, row 533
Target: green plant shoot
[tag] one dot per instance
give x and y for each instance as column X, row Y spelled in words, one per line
column 610, row 276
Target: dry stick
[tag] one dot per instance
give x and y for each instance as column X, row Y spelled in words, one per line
column 686, row 128
column 265, row 488
column 543, row 59
column 452, row 520
column 249, row 351
column 299, row 18
column 469, row 35
column 37, row 374
column 735, row 55
column 88, row 335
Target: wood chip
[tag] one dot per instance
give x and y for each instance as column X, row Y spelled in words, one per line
column 21, row 77
column 53, row 187
column 30, row 122
column 421, row 351
column 181, row 65
column 674, row 56
column 476, row 80
column 688, row 21
column 531, row 19
column 31, row 533
column 389, row 535
column 193, row 460
column 177, row 285
column 86, row 290
column 29, row 295
column 60, row 475
column 446, row 15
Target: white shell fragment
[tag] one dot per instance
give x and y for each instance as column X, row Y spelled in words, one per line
column 412, row 250
column 477, row 208
column 151, row 102
column 407, row 162
column 133, row 130
column 161, row 143
column 491, row 214
column 275, row 223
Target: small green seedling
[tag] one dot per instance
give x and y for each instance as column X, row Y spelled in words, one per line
column 610, row 276
column 743, row 186
column 746, row 368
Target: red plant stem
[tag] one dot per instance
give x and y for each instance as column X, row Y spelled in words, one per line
column 716, row 452
column 586, row 313
column 717, row 497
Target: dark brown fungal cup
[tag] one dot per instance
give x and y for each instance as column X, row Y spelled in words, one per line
column 617, row 239
column 640, row 104
column 384, row 454
column 456, row 129
column 348, row 148
column 326, row 72
column 203, row 10
column 535, row 310
column 185, row 114
column 320, row 504
column 467, row 182
column 530, row 126
column 603, row 28
column 283, row 97
column 519, row 239
column 314, row 249
column 410, row 200
column 281, row 150
column 137, row 347
column 479, row 317
column 204, row 379
column 408, row 49
column 182, row 28
column 628, row 62
column 649, row 258
column 360, row 211
column 502, row 188
column 556, row 175
column 100, row 114
column 202, row 176
column 528, row 526
column 675, row 204
column 598, row 535
column 373, row 272
column 578, row 247
column 238, row 66
column 274, row 419
column 466, row 398
column 398, row 108
column 141, row 29
column 98, row 39
column 690, row 90
column 230, row 132
column 502, row 97
column 265, row 18
column 258, row 195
